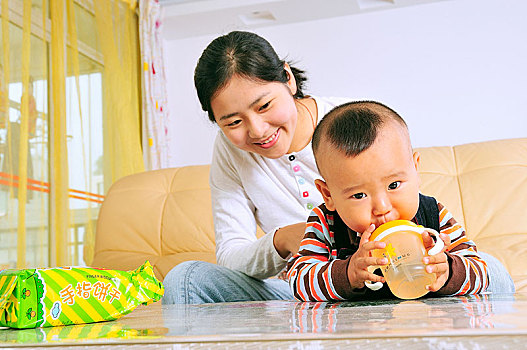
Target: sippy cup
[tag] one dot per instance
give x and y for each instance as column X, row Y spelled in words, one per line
column 405, row 272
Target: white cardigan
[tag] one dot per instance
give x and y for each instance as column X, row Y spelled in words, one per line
column 248, row 189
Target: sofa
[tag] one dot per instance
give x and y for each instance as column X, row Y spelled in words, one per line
column 164, row 216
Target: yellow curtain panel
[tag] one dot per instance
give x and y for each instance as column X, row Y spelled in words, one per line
column 69, row 123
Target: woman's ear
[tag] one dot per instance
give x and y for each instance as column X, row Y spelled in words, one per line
column 291, row 81
column 322, row 187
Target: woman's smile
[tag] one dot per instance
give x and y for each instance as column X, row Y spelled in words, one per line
column 270, row 141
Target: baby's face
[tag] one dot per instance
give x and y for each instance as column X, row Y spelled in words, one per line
column 379, row 185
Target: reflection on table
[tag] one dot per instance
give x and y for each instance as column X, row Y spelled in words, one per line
column 492, row 317
column 416, row 317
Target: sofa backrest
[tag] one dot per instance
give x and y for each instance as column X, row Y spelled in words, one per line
column 484, row 185
column 164, row 216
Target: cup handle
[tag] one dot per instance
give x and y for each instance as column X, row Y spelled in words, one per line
column 439, row 245
column 370, row 284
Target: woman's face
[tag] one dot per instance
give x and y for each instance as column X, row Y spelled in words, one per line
column 258, row 117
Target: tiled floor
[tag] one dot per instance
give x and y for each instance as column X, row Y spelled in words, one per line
column 475, row 322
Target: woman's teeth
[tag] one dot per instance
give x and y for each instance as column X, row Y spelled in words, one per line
column 271, row 138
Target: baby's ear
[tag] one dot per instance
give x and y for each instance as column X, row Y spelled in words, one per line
column 417, row 157
column 322, row 187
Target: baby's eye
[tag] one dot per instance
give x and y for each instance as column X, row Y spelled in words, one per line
column 359, row 195
column 265, row 106
column 394, row 185
column 236, row 122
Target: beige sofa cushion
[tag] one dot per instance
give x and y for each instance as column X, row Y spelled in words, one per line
column 165, row 215
column 484, row 185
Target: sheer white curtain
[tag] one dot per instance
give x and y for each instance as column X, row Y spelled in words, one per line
column 155, row 114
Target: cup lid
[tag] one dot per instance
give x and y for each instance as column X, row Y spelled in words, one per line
column 392, row 226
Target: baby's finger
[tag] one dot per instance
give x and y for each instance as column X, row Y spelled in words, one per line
column 370, row 276
column 435, row 259
column 438, row 269
column 434, row 287
column 367, row 247
column 439, row 282
column 428, row 241
column 371, row 262
column 446, row 240
column 365, row 237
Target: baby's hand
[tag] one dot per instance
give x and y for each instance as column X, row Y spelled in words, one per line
column 438, row 263
column 360, row 261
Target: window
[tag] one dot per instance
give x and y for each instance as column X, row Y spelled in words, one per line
column 31, row 235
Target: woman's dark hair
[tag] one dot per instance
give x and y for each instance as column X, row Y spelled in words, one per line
column 239, row 53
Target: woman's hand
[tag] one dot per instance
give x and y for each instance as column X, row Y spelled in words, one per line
column 287, row 239
column 438, row 263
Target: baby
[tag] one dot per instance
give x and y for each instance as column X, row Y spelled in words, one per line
column 364, row 154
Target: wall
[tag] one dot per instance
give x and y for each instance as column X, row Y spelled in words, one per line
column 455, row 70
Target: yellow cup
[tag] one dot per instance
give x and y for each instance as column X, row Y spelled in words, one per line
column 405, row 272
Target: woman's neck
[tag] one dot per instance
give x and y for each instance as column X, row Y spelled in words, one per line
column 305, row 124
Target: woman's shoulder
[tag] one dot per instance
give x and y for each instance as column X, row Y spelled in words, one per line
column 224, row 150
column 223, row 145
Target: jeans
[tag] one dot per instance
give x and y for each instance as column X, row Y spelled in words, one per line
column 500, row 281
column 198, row 282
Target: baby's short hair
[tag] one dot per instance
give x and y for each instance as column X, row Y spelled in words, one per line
column 353, row 127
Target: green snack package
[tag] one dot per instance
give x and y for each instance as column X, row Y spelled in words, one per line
column 73, row 295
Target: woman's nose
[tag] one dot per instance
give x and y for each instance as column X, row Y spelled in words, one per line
column 257, row 128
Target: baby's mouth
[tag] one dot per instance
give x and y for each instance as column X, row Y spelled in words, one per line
column 381, row 221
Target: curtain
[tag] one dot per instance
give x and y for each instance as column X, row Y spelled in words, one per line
column 69, row 123
column 155, row 114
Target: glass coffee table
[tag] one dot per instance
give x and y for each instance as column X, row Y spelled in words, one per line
column 472, row 322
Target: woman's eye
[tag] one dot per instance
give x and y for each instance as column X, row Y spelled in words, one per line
column 394, row 185
column 265, row 106
column 359, row 195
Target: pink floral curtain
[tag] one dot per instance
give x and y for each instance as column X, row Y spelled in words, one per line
column 155, row 114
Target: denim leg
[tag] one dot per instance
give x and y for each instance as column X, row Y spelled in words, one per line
column 499, row 279
column 198, row 282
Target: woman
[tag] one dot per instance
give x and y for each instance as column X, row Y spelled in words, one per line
column 262, row 171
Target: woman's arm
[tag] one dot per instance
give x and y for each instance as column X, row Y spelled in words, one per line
column 237, row 246
column 287, row 239
column 234, row 214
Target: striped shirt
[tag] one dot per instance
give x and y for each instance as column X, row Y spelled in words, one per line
column 316, row 274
